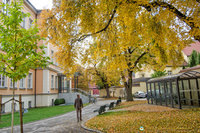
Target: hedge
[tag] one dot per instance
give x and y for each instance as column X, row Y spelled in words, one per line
column 59, row 101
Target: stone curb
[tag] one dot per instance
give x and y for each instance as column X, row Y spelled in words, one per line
column 89, row 129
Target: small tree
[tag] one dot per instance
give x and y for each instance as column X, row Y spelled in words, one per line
column 194, row 59
column 19, row 46
column 159, row 74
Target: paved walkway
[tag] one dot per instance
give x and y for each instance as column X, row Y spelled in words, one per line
column 66, row 123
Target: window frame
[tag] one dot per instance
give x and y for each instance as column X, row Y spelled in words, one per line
column 3, row 80
column 30, row 85
column 30, row 22
column 11, row 84
column 23, row 83
column 52, row 82
column 4, row 9
column 56, row 82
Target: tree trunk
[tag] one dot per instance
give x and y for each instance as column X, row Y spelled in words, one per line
column 0, row 106
column 129, row 87
column 107, row 91
column 21, row 115
column 13, row 96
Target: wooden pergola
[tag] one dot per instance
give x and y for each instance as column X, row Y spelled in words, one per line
column 175, row 90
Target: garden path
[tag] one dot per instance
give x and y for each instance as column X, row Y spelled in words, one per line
column 65, row 123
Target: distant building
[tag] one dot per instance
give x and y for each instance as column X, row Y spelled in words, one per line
column 187, row 51
column 141, row 77
column 93, row 88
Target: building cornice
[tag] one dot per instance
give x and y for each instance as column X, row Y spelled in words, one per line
column 36, row 11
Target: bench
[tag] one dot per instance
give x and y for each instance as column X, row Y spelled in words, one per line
column 101, row 110
column 111, row 105
column 118, row 101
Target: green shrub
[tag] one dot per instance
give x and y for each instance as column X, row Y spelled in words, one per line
column 62, row 101
column 57, row 102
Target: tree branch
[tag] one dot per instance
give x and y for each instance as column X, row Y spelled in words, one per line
column 131, row 51
column 188, row 20
column 138, row 59
column 170, row 7
column 104, row 29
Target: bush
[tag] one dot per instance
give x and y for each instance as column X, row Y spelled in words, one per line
column 59, row 101
column 62, row 101
column 56, row 102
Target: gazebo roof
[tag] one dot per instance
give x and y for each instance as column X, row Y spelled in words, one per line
column 184, row 75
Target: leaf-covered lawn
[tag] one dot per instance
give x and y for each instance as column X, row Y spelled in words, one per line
column 187, row 120
column 130, row 104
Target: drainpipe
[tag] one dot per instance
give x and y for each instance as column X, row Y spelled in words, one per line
column 35, row 72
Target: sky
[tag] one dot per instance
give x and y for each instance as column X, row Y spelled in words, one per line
column 42, row 4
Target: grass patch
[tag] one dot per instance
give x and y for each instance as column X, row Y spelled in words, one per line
column 35, row 114
column 130, row 121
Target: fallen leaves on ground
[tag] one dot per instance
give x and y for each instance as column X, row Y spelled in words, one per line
column 130, row 104
column 156, row 119
column 149, row 108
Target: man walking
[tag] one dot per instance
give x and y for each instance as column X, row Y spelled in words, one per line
column 78, row 104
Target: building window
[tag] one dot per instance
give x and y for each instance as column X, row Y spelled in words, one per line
column 169, row 72
column 23, row 23
column 5, row 11
column 30, row 80
column 30, row 22
column 52, row 52
column 3, row 108
column 56, row 81
column 22, row 83
column 2, row 81
column 52, row 81
column 29, row 104
column 11, row 84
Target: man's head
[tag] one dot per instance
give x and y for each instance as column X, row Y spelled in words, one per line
column 78, row 96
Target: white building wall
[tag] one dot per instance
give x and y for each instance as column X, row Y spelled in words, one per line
column 25, row 99
column 41, row 100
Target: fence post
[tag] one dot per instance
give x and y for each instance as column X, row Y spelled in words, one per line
column 21, row 117
column 0, row 106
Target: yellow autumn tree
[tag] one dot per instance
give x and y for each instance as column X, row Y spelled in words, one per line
column 98, row 66
column 130, row 34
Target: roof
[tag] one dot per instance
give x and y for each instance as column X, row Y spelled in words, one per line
column 193, row 46
column 32, row 7
column 143, row 79
column 184, row 75
column 190, row 69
